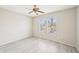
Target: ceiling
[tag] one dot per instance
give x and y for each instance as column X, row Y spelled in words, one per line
column 46, row 8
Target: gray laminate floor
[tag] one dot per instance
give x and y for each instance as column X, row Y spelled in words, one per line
column 36, row 45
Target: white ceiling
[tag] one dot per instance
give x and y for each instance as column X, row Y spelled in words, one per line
column 46, row 8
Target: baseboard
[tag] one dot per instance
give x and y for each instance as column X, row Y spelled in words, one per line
column 16, row 41
column 54, row 41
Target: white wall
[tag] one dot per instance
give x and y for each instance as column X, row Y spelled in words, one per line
column 77, row 28
column 66, row 27
column 14, row 26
